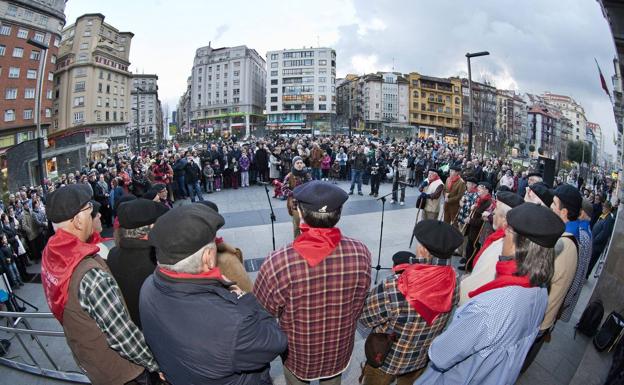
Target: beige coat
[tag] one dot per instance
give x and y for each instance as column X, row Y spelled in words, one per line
column 483, row 272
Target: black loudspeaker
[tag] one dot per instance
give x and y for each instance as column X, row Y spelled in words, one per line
column 547, row 168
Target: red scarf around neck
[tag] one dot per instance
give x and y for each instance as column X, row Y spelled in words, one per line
column 314, row 244
column 211, row 274
column 433, row 178
column 61, row 255
column 495, row 236
column 428, row 289
column 483, row 198
column 505, row 271
column 451, row 181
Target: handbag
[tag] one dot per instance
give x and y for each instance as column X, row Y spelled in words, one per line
column 610, row 332
column 377, row 346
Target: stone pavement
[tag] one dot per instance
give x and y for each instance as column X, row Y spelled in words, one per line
column 248, row 226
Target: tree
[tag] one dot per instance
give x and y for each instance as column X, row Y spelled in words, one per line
column 579, row 152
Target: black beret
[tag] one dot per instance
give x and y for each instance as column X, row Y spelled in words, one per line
column 139, row 212
column 63, row 204
column 124, row 198
column 210, row 204
column 536, row 222
column 510, row 199
column 184, row 230
column 401, row 257
column 570, row 196
column 543, row 192
column 487, row 185
column 150, row 194
column 502, row 188
column 96, row 208
column 471, row 179
column 441, row 239
column 320, row 196
column 455, row 168
column 433, row 170
column 534, row 173
column 159, row 187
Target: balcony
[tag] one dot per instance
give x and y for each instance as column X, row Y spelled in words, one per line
column 436, row 101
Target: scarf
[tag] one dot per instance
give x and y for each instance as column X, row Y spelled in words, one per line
column 298, row 173
column 62, row 254
column 482, row 199
column 428, row 289
column 505, row 276
column 212, row 274
column 451, row 180
column 574, row 228
column 433, row 178
column 495, row 236
column 314, row 244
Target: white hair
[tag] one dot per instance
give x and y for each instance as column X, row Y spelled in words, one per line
column 191, row 264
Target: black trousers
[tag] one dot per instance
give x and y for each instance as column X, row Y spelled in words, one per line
column 375, row 179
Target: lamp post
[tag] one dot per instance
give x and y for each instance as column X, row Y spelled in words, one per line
column 38, row 94
column 470, row 116
column 138, row 96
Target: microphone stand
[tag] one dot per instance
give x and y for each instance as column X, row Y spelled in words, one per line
column 383, row 211
column 272, row 215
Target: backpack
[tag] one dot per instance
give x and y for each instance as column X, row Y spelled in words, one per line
column 591, row 318
column 610, row 332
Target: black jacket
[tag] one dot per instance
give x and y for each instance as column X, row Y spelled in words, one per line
column 192, row 173
column 131, row 263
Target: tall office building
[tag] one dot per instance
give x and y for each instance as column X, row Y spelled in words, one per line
column 301, row 90
column 227, row 90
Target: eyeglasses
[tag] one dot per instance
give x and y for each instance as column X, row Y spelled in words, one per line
column 89, row 206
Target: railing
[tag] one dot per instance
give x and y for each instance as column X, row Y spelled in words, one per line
column 18, row 325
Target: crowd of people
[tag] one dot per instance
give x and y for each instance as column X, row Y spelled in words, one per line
column 172, row 302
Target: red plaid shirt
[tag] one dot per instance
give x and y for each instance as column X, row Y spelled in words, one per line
column 317, row 307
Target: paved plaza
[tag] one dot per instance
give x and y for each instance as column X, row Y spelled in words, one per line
column 248, row 227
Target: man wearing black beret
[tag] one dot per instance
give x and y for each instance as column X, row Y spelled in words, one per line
column 316, row 286
column 417, row 304
column 475, row 222
column 431, row 193
column 485, row 345
column 201, row 327
column 486, row 258
column 85, row 298
column 539, row 193
column 133, row 260
column 454, row 191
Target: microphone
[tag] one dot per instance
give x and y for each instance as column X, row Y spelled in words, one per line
column 264, row 183
column 406, row 184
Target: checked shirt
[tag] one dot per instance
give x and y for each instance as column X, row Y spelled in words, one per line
column 317, row 307
column 101, row 298
column 387, row 310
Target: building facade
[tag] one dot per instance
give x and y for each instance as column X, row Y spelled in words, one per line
column 485, row 135
column 227, row 90
column 435, row 106
column 93, row 83
column 511, row 119
column 301, row 90
column 544, row 130
column 571, row 110
column 21, row 21
column 144, row 97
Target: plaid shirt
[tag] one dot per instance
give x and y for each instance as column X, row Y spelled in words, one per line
column 387, row 310
column 318, row 307
column 101, row 298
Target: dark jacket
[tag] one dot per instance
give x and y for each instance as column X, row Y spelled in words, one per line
column 192, row 173
column 131, row 263
column 201, row 333
column 601, row 233
column 359, row 162
column 262, row 159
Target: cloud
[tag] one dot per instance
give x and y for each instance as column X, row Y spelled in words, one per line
column 223, row 28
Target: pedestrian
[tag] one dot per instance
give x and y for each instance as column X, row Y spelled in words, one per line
column 335, row 172
column 297, row 176
column 358, row 166
column 217, row 175
column 600, row 235
column 299, row 280
column 226, row 334
column 377, row 167
column 244, row 164
column 454, row 191
column 192, row 176
column 208, row 177
column 432, row 192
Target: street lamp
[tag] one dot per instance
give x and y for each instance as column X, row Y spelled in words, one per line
column 38, row 94
column 470, row 116
column 138, row 96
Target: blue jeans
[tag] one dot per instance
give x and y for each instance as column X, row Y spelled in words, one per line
column 316, row 173
column 15, row 275
column 356, row 176
column 195, row 189
column 182, row 187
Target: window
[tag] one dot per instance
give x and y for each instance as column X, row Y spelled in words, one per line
column 236, row 73
column 29, row 93
column 14, row 72
column 2, row 49
column 18, row 52
column 10, row 93
column 99, row 101
column 123, row 91
column 108, row 89
column 274, row 73
column 50, row 76
column 48, row 112
column 273, row 90
column 274, row 82
column 107, row 102
column 79, row 86
column 322, row 63
column 79, row 101
column 273, row 108
column 274, row 64
column 28, row 114
column 115, row 103
column 34, row 55
column 9, row 115
column 101, row 74
column 236, row 82
column 31, row 74
column 80, row 72
column 86, row 33
column 99, row 87
column 274, row 99
column 322, row 107
column 57, row 42
column 12, row 10
column 43, row 20
column 78, row 117
column 22, row 33
column 322, row 98
column 6, row 31
column 108, row 75
column 53, row 59
column 114, row 90
column 322, row 71
column 322, row 79
column 49, row 94
column 321, row 89
column 39, row 37
column 274, row 56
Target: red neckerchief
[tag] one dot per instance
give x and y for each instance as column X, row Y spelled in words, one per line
column 428, row 289
column 98, row 238
column 433, row 178
column 495, row 236
column 505, row 271
column 314, row 243
column 212, row 274
column 451, row 180
column 473, row 190
column 62, row 254
column 116, row 224
column 218, row 240
column 482, row 199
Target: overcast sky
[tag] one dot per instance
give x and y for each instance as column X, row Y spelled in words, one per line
column 535, row 45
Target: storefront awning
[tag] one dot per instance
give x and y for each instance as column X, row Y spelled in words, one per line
column 100, row 146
